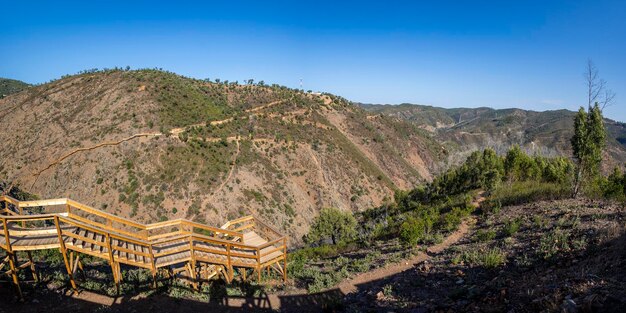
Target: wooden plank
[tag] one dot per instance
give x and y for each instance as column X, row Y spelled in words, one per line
column 132, row 262
column 85, row 239
column 131, row 251
column 273, row 242
column 170, row 223
column 207, row 250
column 264, row 253
column 102, row 227
column 241, row 219
column 165, row 235
column 114, row 218
column 244, row 227
column 171, row 251
column 213, row 229
column 44, row 203
column 171, row 262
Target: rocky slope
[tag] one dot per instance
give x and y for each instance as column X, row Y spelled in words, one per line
column 153, row 145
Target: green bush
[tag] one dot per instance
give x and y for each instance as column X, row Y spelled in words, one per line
column 485, row 235
column 553, row 243
column 613, row 186
column 491, row 258
column 511, row 227
column 529, row 191
column 412, row 231
column 450, row 221
column 332, row 223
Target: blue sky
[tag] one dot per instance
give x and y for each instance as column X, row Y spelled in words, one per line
column 527, row 54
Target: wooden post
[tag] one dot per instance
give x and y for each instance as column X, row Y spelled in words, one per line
column 21, row 210
column 12, row 260
column 16, row 283
column 192, row 265
column 153, row 268
column 230, row 266
column 72, row 261
column 112, row 263
column 258, row 263
column 33, row 268
column 285, row 259
column 63, row 250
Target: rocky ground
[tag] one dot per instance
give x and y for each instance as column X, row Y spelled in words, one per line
column 565, row 256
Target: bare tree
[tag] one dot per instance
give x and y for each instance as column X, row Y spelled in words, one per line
column 597, row 91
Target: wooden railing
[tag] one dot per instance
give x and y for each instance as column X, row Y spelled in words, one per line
column 251, row 223
column 110, row 222
column 84, row 229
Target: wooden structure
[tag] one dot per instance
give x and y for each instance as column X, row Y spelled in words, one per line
column 177, row 246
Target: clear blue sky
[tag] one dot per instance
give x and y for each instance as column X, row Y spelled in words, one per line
column 528, row 54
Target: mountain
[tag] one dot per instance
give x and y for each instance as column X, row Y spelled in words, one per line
column 11, row 86
column 463, row 130
column 154, row 145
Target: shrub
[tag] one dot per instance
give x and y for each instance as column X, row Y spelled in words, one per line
column 553, row 243
column 511, row 227
column 529, row 191
column 493, row 258
column 485, row 235
column 412, row 231
column 492, row 206
column 334, row 224
column 539, row 221
column 451, row 220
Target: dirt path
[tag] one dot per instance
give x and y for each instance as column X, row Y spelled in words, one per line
column 174, row 132
column 230, row 173
column 177, row 131
column 103, row 144
column 350, row 286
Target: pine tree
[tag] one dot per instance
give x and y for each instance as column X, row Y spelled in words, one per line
column 587, row 143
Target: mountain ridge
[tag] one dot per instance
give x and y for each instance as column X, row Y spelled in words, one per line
column 469, row 129
column 10, row 86
column 208, row 151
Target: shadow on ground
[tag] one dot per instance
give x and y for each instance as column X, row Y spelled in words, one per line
column 40, row 299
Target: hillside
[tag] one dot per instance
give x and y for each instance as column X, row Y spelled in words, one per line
column 153, row 145
column 11, row 86
column 463, row 130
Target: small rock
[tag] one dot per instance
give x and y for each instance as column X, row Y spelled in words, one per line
column 460, row 281
column 569, row 306
column 380, row 296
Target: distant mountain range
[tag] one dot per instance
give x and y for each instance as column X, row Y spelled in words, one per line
column 463, row 130
column 11, row 86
